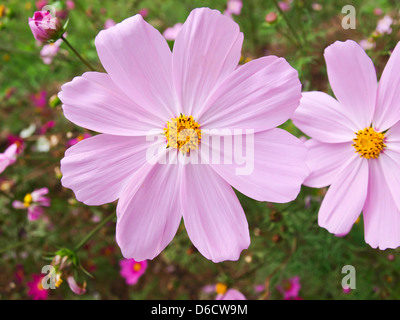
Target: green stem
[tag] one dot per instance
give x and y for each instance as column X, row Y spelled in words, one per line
column 15, row 245
column 292, row 30
column 94, row 231
column 77, row 54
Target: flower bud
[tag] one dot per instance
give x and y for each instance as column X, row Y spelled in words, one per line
column 45, row 27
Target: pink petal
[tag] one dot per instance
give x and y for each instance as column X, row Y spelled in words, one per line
column 260, row 95
column 98, row 168
column 388, row 104
column 231, row 294
column 213, row 216
column 381, row 215
column 149, row 212
column 321, row 117
column 390, row 166
column 276, row 166
column 325, row 161
column 345, row 198
column 93, row 101
column 139, row 61
column 353, row 80
column 206, row 51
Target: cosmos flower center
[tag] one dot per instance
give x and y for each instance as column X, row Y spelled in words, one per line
column 183, row 133
column 39, row 285
column 220, row 288
column 28, row 200
column 369, row 143
column 137, row 266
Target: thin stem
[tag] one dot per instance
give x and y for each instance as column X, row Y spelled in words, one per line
column 77, row 54
column 94, row 231
column 292, row 30
column 15, row 245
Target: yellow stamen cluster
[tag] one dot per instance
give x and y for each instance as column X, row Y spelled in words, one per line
column 137, row 266
column 221, row 288
column 369, row 143
column 28, row 200
column 183, row 133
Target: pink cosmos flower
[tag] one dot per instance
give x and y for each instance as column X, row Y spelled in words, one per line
column 34, row 202
column 144, row 12
column 70, row 4
column 384, row 25
column 45, row 27
column 198, row 85
column 40, row 4
column 355, row 144
column 132, row 270
column 290, row 288
column 172, row 33
column 36, row 290
column 39, row 99
column 13, row 139
column 284, row 6
column 8, row 157
column 49, row 51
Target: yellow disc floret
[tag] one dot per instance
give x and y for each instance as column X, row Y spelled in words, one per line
column 28, row 200
column 369, row 143
column 183, row 133
column 137, row 266
column 221, row 288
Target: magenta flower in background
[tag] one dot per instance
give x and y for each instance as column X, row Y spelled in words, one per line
column 8, row 157
column 36, row 290
column 200, row 87
column 39, row 99
column 70, row 4
column 45, row 27
column 290, row 288
column 132, row 270
column 34, row 203
column 172, row 33
column 49, row 51
column 13, row 139
column 284, row 5
column 80, row 137
column 144, row 12
column 355, row 144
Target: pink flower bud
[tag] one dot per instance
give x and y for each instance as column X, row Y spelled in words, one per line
column 271, row 17
column 45, row 27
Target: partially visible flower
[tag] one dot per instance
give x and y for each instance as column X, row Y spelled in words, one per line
column 384, row 25
column 132, row 270
column 378, row 11
column 367, row 44
column 42, row 144
column 271, row 17
column 109, row 23
column 290, row 288
column 259, row 288
column 49, row 51
column 284, row 6
column 172, row 33
column 223, row 293
column 19, row 273
column 8, row 157
column 48, row 125
column 39, row 99
column 36, row 290
column 34, row 202
column 81, row 137
column 234, row 7
column 70, row 4
column 40, row 4
column 316, row 6
column 75, row 287
column 9, row 92
column 12, row 139
column 27, row 132
column 144, row 12
column 45, row 27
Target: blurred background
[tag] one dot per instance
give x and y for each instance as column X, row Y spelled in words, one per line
column 288, row 250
